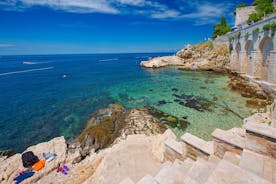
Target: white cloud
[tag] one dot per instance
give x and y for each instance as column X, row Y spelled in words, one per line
column 199, row 11
column 78, row 6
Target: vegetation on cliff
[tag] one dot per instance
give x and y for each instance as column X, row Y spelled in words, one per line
column 263, row 7
column 221, row 28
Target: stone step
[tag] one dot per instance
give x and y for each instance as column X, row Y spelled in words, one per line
column 232, row 158
column 174, row 173
column 197, row 147
column 174, row 150
column 200, row 171
column 226, row 173
column 260, row 138
column 175, row 145
column 232, row 140
column 258, row 164
column 261, row 129
column 214, row 159
column 148, row 179
column 127, row 181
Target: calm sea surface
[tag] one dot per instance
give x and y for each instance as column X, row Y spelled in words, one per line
column 45, row 96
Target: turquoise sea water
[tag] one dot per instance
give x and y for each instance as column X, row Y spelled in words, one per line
column 53, row 95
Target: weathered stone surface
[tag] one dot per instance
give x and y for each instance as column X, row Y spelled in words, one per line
column 260, row 138
column 148, row 179
column 175, row 145
column 77, row 174
column 226, row 173
column 130, row 158
column 201, row 170
column 127, row 181
column 231, row 140
column 260, row 165
column 232, row 157
column 9, row 167
column 197, row 147
column 158, row 145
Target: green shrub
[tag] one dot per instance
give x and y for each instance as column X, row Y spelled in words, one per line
column 254, row 17
column 266, row 27
column 263, row 7
column 246, row 35
column 221, row 28
column 256, row 30
column 238, row 35
column 231, row 38
column 273, row 26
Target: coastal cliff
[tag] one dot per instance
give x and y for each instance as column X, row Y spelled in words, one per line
column 198, row 57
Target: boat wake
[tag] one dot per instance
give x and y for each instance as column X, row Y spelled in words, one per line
column 26, row 71
column 113, row 59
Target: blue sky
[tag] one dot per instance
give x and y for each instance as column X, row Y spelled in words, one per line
column 107, row 26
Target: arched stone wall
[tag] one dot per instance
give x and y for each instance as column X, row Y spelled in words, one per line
column 238, row 57
column 249, row 60
column 265, row 58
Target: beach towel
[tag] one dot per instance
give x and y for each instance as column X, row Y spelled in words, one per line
column 23, row 176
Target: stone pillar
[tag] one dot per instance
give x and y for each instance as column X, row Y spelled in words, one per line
column 258, row 60
column 243, row 62
column 272, row 67
column 251, row 68
column 233, row 64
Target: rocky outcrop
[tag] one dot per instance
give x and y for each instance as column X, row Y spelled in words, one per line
column 116, row 122
column 163, row 62
column 11, row 166
column 197, row 57
column 257, row 97
column 135, row 156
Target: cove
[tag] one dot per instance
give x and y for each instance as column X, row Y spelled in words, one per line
column 39, row 105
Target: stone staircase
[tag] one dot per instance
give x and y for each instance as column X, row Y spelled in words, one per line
column 238, row 156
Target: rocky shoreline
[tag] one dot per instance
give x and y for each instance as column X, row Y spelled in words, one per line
column 117, row 141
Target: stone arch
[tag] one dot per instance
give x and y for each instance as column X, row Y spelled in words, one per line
column 238, row 56
column 265, row 49
column 249, row 61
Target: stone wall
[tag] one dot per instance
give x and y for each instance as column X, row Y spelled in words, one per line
column 222, row 40
column 242, row 14
column 253, row 53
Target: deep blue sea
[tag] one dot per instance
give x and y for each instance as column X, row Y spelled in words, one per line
column 45, row 96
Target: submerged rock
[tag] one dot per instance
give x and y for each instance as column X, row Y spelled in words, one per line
column 161, row 102
column 169, row 120
column 195, row 102
column 175, row 89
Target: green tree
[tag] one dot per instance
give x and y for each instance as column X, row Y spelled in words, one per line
column 221, row 28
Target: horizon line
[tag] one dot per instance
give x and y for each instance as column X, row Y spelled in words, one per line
column 87, row 53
